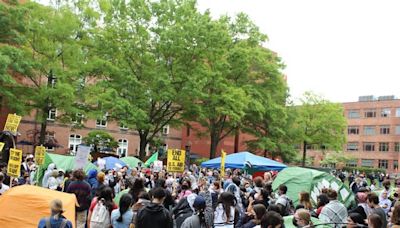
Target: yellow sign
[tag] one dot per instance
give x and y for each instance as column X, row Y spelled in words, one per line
column 176, row 160
column 1, row 146
column 12, row 123
column 14, row 163
column 223, row 155
column 40, row 152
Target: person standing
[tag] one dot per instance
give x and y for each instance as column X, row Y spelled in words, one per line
column 154, row 215
column 81, row 189
column 122, row 217
column 373, row 202
column 334, row 211
column 3, row 187
column 56, row 219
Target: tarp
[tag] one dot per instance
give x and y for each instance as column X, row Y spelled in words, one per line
column 62, row 162
column 112, row 162
column 25, row 205
column 242, row 159
column 132, row 162
column 301, row 179
column 288, row 221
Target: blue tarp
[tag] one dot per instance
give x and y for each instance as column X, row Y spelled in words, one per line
column 239, row 161
column 112, row 162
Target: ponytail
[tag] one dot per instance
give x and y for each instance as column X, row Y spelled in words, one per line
column 124, row 205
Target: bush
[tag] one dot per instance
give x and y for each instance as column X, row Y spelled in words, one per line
column 198, row 161
column 365, row 170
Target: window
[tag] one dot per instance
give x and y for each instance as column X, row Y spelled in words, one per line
column 367, row 163
column 73, row 143
column 165, row 130
column 369, row 146
column 77, row 118
column 370, row 113
column 52, row 114
column 352, row 146
column 383, row 164
column 397, row 129
column 351, row 164
column 397, row 112
column 352, row 130
column 353, row 114
column 102, row 122
column 384, row 130
column 397, row 146
column 309, row 147
column 385, row 112
column 369, row 130
column 395, row 164
column 123, row 127
column 122, row 147
column 50, row 136
column 383, row 146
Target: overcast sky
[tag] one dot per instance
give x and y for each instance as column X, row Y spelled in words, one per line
column 340, row 49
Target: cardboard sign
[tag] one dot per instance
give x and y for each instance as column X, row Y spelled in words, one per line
column 176, row 160
column 1, row 146
column 14, row 163
column 40, row 152
column 157, row 166
column 223, row 156
column 12, row 123
column 81, row 157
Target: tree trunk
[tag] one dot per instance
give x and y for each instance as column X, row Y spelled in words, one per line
column 142, row 146
column 265, row 153
column 236, row 147
column 43, row 126
column 303, row 162
column 213, row 144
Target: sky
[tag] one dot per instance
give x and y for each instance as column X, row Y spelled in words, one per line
column 339, row 49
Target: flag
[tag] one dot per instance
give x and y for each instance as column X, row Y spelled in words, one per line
column 223, row 155
column 153, row 158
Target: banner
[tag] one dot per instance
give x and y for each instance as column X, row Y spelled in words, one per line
column 39, row 154
column 14, row 163
column 1, row 146
column 157, row 166
column 223, row 155
column 12, row 123
column 176, row 160
column 81, row 157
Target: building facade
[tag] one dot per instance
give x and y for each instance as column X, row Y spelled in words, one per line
column 373, row 133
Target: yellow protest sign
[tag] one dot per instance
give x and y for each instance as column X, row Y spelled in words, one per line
column 12, row 123
column 1, row 146
column 176, row 160
column 39, row 154
column 223, row 155
column 14, row 163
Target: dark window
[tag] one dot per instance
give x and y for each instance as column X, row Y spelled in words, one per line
column 367, row 163
column 351, row 164
column 353, row 130
column 397, row 146
column 384, row 146
column 370, row 113
column 369, row 146
column 395, row 164
column 352, row 146
column 383, row 164
column 385, row 112
column 384, row 130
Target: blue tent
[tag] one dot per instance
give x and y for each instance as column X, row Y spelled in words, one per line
column 112, row 162
column 245, row 159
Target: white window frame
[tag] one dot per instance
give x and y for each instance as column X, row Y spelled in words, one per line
column 385, row 112
column 74, row 143
column 49, row 114
column 123, row 127
column 50, row 136
column 165, row 130
column 99, row 121
column 78, row 116
column 123, row 145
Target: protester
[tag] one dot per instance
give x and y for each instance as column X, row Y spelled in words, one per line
column 100, row 209
column 334, row 212
column 143, row 201
column 56, row 219
column 395, row 218
column 362, row 207
column 183, row 209
column 197, row 220
column 253, row 217
column 122, row 217
column 322, row 200
column 375, row 221
column 154, row 215
column 355, row 220
column 271, row 219
column 302, row 218
column 384, row 202
column 52, row 182
column 47, row 175
column 3, row 187
column 373, row 202
column 304, row 199
column 226, row 215
column 283, row 201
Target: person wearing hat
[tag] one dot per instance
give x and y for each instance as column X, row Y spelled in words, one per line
column 197, row 220
column 56, row 220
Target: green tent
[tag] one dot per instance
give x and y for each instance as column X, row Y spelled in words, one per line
column 119, row 195
column 301, row 179
column 132, row 162
column 288, row 221
column 62, row 162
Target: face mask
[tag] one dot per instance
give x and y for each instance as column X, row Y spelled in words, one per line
column 185, row 187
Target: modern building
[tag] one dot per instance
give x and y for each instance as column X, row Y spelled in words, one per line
column 373, row 133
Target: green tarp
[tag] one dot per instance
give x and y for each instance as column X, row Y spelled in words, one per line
column 301, row 179
column 288, row 220
column 132, row 162
column 62, row 162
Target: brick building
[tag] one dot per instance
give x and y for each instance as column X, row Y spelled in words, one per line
column 373, row 133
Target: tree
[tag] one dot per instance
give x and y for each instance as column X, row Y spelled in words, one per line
column 319, row 122
column 100, row 140
column 47, row 62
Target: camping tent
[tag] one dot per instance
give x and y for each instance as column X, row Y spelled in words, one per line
column 112, row 162
column 62, row 162
column 301, row 179
column 245, row 159
column 132, row 162
column 25, row 205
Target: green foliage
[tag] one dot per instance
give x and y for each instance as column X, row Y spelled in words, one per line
column 365, row 170
column 100, row 140
column 336, row 157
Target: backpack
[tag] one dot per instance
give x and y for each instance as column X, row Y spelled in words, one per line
column 100, row 216
column 62, row 225
column 289, row 208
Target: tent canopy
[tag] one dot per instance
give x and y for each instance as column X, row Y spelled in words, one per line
column 25, row 205
column 312, row 181
column 239, row 161
column 132, row 162
column 112, row 162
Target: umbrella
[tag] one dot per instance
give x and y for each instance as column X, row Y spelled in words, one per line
column 112, row 162
column 132, row 162
column 245, row 159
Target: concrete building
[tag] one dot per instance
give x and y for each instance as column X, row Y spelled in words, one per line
column 373, row 133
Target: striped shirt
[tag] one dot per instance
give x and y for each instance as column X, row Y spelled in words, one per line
column 334, row 212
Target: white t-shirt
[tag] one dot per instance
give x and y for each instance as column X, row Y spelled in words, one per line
column 3, row 188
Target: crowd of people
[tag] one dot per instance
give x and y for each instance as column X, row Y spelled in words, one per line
column 201, row 198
